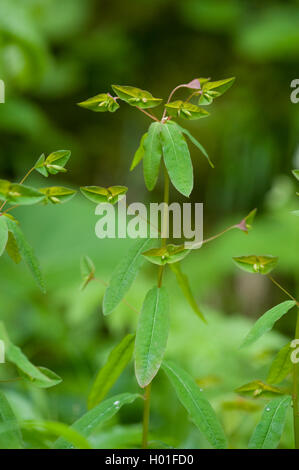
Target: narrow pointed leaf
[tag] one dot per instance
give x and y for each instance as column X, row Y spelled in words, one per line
column 152, row 155
column 12, row 249
column 59, row 430
column 97, row 416
column 195, row 142
column 281, row 366
column 124, row 275
column 177, row 159
column 151, row 335
column 118, row 359
column 268, row 432
column 10, row 435
column 3, row 234
column 265, row 322
column 197, row 406
column 139, row 154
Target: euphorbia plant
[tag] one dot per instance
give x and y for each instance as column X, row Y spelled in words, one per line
column 162, row 147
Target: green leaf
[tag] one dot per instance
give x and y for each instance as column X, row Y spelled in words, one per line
column 124, row 275
column 212, row 90
column 265, row 322
column 151, row 335
column 3, row 234
column 118, row 359
column 38, row 376
column 54, row 163
column 268, row 432
column 183, row 282
column 152, row 155
column 19, row 194
column 12, row 248
column 40, row 166
column 166, row 255
column 197, row 406
column 100, row 103
column 98, row 194
column 177, row 158
column 136, row 97
column 194, row 141
column 139, row 154
column 26, row 252
column 57, row 194
column 257, row 388
column 87, row 271
column 256, row 264
column 185, row 110
column 97, row 416
column 296, row 173
column 59, row 430
column 281, row 366
column 10, row 435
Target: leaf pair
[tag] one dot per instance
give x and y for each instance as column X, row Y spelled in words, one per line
column 100, row 195
column 53, row 164
column 256, row 264
column 211, row 90
column 14, row 193
column 168, row 254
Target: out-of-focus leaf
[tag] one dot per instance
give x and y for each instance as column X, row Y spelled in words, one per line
column 96, row 416
column 136, row 97
column 166, row 255
column 256, row 264
column 185, row 110
column 265, row 322
column 197, row 406
column 118, row 359
column 241, row 404
column 98, row 194
column 57, row 194
column 256, row 388
column 183, row 282
column 12, row 248
column 87, row 271
column 10, row 435
column 124, row 275
column 139, row 154
column 246, row 224
column 194, row 141
column 38, row 376
column 296, row 173
column 177, row 158
column 268, row 432
column 3, row 234
column 151, row 335
column 152, row 155
column 281, row 367
column 19, row 194
column 101, row 103
column 54, row 163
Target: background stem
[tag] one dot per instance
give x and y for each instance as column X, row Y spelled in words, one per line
column 146, row 415
column 295, row 393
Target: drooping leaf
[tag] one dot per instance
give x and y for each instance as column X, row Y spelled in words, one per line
column 3, row 234
column 257, row 388
column 98, row 194
column 100, row 103
column 124, row 275
column 152, row 155
column 10, row 435
column 97, row 416
column 166, row 255
column 139, row 154
column 197, row 406
column 183, row 282
column 268, row 432
column 246, row 224
column 19, row 194
column 118, row 359
column 256, row 264
column 57, row 194
column 87, row 271
column 136, row 97
column 296, row 173
column 151, row 335
column 177, row 158
column 12, row 248
column 281, row 366
column 194, row 141
column 38, row 376
column 265, row 322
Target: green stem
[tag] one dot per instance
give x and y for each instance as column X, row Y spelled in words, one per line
column 146, row 415
column 295, row 393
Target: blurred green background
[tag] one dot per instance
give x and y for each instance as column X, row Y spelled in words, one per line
column 56, row 53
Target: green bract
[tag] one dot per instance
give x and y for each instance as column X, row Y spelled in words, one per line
column 258, row 388
column 136, row 97
column 185, row 110
column 256, row 264
column 101, row 103
column 296, row 174
column 57, row 194
column 19, row 194
column 166, row 254
column 54, row 163
column 211, row 90
column 98, row 194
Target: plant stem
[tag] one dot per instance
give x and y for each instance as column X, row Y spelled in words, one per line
column 21, row 182
column 154, row 118
column 295, row 393
column 283, row 289
column 146, row 415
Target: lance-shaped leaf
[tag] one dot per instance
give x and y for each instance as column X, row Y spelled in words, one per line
column 197, row 406
column 139, row 154
column 257, row 388
column 246, row 224
column 26, row 252
column 194, row 141
column 212, row 90
column 151, row 335
column 265, row 322
column 166, row 255
column 12, row 249
column 87, row 271
column 256, row 264
column 296, row 173
column 10, row 435
column 57, row 194
column 136, row 97
column 124, row 275
column 100, row 103
column 19, row 194
column 185, row 110
column 268, row 432
column 152, row 155
column 88, row 423
column 3, row 234
column 183, row 282
column 118, row 359
column 281, row 366
column 54, row 163
column 39, row 376
column 98, row 194
column 177, row 158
